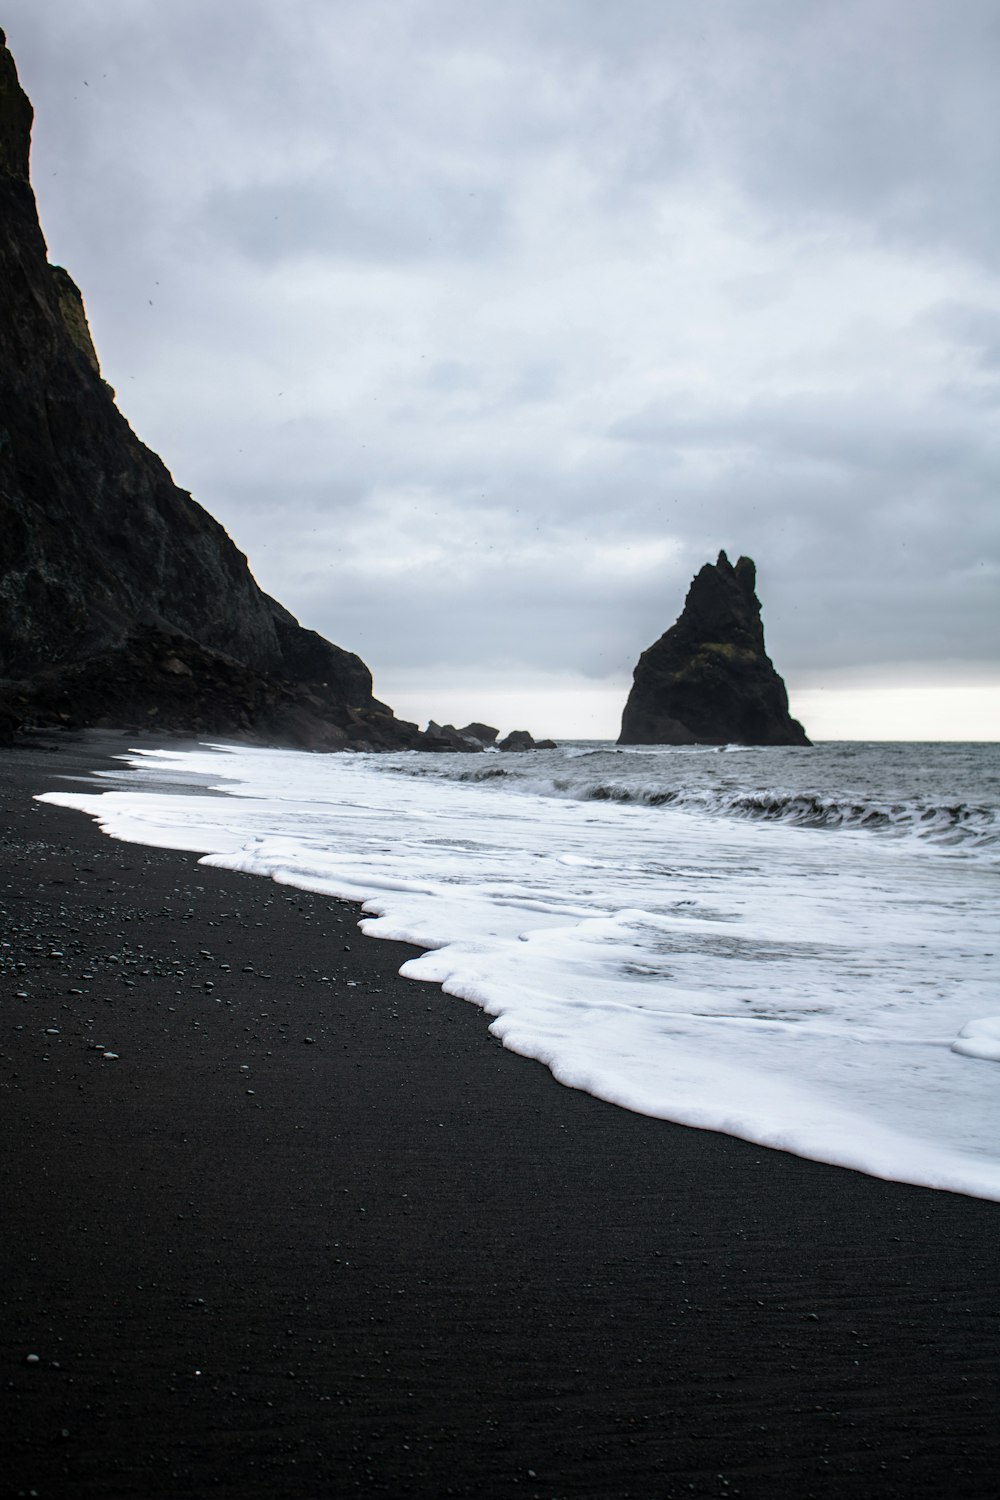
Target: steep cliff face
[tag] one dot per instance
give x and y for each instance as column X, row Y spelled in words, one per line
column 107, row 569
column 709, row 680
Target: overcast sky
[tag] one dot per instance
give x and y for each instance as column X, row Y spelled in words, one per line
column 481, row 326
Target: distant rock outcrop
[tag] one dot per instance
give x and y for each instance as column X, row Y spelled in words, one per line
column 479, row 737
column 520, row 739
column 709, row 680
column 446, row 737
column 121, row 600
column 484, row 733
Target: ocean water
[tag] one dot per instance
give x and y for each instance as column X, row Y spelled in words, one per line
column 797, row 947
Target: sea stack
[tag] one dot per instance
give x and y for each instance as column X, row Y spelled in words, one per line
column 121, row 600
column 709, row 680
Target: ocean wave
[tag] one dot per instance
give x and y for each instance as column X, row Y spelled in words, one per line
column 956, row 824
column 960, row 823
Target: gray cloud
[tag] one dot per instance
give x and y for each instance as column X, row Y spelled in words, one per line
column 481, row 327
column 375, row 216
column 976, row 328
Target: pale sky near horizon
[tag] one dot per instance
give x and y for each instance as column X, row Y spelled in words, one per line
column 481, row 327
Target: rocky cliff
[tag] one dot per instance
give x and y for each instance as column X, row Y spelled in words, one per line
column 709, row 680
column 121, row 600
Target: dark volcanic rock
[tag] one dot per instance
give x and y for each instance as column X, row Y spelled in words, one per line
column 484, row 733
column 518, row 739
column 709, row 680
column 447, row 737
column 107, row 569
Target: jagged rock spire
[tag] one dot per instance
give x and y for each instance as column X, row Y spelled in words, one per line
column 709, row 679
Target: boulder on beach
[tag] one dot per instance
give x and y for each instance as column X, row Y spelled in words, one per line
column 709, row 679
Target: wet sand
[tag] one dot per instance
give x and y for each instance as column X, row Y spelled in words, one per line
column 313, row 1232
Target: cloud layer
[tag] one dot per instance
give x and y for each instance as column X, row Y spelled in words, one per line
column 482, row 327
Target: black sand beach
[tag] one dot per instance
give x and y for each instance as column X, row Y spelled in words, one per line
column 313, row 1232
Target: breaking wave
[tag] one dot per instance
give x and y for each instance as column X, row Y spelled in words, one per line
column 960, row 823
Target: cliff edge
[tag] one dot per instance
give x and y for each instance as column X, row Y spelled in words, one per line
column 709, row 679
column 121, row 600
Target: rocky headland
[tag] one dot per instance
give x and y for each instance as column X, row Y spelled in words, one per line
column 709, row 679
column 121, row 600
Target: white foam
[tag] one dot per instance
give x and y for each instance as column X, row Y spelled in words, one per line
column 798, row 988
column 979, row 1039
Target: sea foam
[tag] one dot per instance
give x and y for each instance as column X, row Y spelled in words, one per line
column 814, row 990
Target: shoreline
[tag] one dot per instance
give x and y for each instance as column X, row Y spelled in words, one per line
column 402, row 1259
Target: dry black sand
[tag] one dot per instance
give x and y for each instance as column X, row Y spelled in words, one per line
column 398, row 1260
